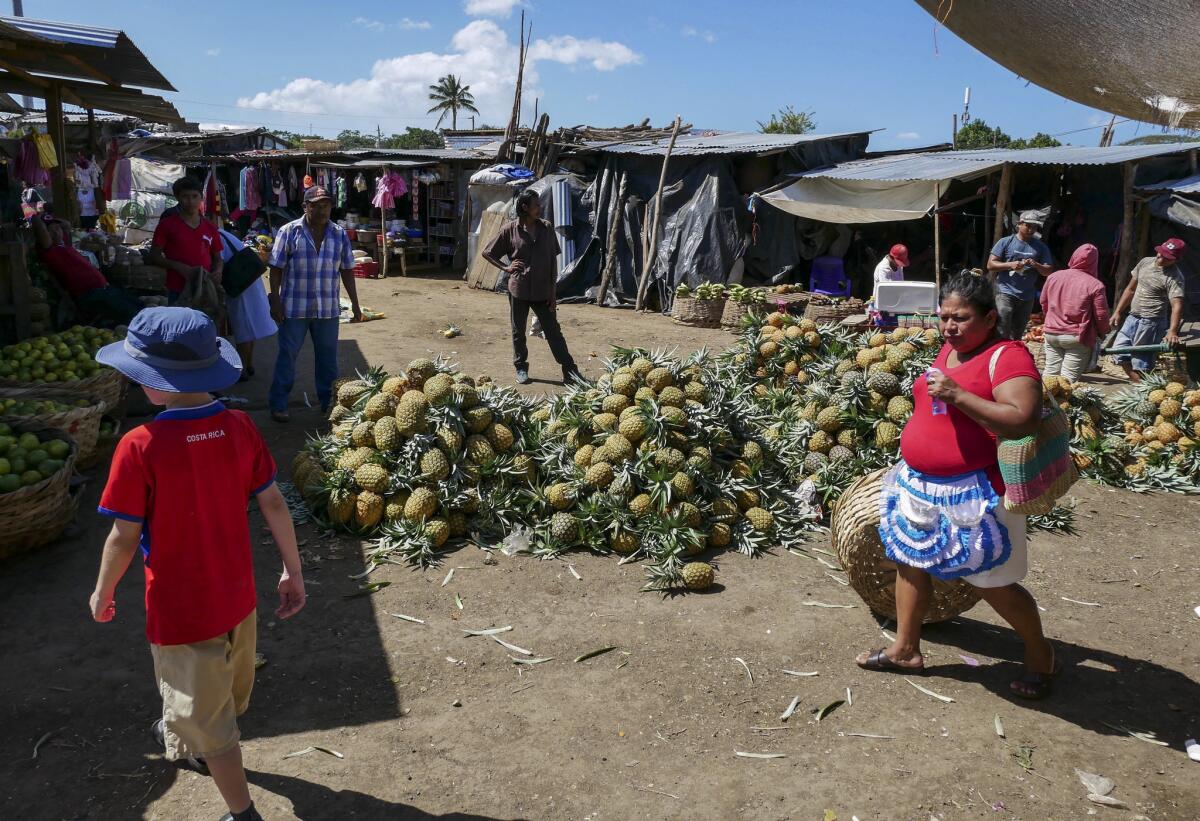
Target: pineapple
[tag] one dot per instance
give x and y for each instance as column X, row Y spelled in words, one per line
column 768, row 349
column 746, row 499
column 385, row 434
column 887, row 436
column 674, row 417
column 1175, row 389
column 355, row 458
column 434, row 466
column 877, row 340
column 393, row 507
column 697, row 575
column 350, row 392
column 699, row 457
column 560, row 496
column 368, row 509
column 606, row 422
column 812, row 339
column 720, row 535
column 641, row 505
column 478, row 419
column 418, row 371
column 466, row 396
column 449, row 439
column 599, row 476
column 341, row 507
column 439, row 389
column 421, row 505
column 614, row 403
column 848, row 438
column 839, row 453
column 670, row 458
column 563, row 528
column 395, row 386
column 899, row 408
column 696, row 391
column 362, row 435
column 671, row 396
column 690, row 514
column 640, row 367
column 1157, row 395
column 884, row 383
column 820, row 442
column 583, row 457
column 457, row 523
column 829, row 420
column 524, row 465
column 379, row 406
column 633, row 427
column 479, row 450
column 500, row 436
column 1168, row 433
column 724, row 510
column 437, row 531
column 619, row 447
column 815, row 462
column 1170, row 408
column 645, row 394
column 339, row 414
column 682, row 485
column 624, row 383
column 659, row 378
column 372, row 477
column 623, row 542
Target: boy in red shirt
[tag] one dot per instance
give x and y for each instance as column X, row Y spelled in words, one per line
column 194, row 538
column 185, row 243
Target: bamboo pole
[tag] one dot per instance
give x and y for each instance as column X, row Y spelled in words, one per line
column 662, row 181
column 54, row 127
column 987, row 217
column 1124, row 258
column 937, row 238
column 1002, row 201
column 610, row 248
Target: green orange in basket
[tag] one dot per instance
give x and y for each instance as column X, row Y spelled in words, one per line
column 31, row 477
column 10, row 482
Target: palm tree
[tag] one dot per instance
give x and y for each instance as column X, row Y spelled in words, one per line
column 448, row 95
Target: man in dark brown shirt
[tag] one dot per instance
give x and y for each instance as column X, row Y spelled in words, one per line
column 531, row 247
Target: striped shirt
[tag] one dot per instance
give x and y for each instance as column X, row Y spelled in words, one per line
column 311, row 279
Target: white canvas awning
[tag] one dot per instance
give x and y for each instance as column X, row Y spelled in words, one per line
column 883, row 189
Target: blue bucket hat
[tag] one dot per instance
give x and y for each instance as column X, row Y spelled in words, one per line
column 175, row 350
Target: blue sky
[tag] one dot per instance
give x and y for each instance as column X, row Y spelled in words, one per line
column 858, row 65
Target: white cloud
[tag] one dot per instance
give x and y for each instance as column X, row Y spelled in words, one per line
column 213, row 52
column 220, row 127
column 490, row 8
column 706, row 35
column 908, row 135
column 591, row 98
column 378, row 25
column 480, row 55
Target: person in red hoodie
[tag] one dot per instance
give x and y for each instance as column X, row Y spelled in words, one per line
column 1076, row 312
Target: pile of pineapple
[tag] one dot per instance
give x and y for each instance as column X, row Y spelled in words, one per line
column 419, row 458
column 1155, row 445
column 655, row 462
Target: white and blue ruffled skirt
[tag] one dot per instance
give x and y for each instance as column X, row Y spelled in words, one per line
column 951, row 527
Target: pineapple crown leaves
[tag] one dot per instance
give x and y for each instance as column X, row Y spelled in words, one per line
column 406, row 541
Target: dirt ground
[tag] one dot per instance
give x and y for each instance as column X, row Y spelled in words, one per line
column 435, row 724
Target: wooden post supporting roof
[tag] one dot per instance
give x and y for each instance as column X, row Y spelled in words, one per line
column 1125, row 257
column 937, row 238
column 1002, row 201
column 54, row 127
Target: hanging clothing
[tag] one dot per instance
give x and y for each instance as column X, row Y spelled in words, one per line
column 293, row 184
column 87, row 174
column 389, row 188
column 278, row 188
column 339, row 192
column 47, row 156
column 28, row 168
column 122, row 186
column 110, row 169
column 416, row 202
column 249, row 194
column 360, row 183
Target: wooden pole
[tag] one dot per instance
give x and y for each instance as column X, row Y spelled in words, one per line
column 1002, row 201
column 383, row 248
column 662, row 181
column 1143, row 241
column 987, row 218
column 1124, row 258
column 54, row 127
column 954, row 133
column 610, row 248
column 937, row 237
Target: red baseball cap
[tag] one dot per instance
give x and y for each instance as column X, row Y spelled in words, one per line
column 1172, row 249
column 900, row 254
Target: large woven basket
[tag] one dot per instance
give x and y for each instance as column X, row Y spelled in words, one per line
column 36, row 515
column 733, row 313
column 827, row 312
column 855, row 531
column 699, row 313
column 106, row 385
column 83, row 424
column 1038, row 349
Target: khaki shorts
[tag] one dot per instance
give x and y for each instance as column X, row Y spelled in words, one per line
column 205, row 686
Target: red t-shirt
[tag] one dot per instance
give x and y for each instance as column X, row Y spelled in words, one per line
column 181, row 242
column 71, row 269
column 186, row 476
column 952, row 443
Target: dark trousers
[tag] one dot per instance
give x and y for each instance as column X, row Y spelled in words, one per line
column 518, row 314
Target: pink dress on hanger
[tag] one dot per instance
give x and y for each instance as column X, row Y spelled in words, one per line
column 389, row 188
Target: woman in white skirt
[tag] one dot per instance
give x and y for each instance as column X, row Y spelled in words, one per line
column 249, row 312
column 942, row 511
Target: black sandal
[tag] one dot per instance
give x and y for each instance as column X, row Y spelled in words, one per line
column 881, row 662
column 1037, row 685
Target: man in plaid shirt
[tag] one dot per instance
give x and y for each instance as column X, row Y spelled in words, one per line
column 309, row 256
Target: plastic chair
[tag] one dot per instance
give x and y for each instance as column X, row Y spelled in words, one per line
column 829, row 277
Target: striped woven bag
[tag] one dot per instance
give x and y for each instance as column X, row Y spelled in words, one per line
column 1037, row 469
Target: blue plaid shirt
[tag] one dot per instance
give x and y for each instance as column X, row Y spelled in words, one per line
column 311, row 280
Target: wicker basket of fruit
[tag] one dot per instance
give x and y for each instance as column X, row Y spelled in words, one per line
column 741, row 301
column 700, row 308
column 36, row 465
column 64, row 360
column 854, row 529
column 62, row 408
column 824, row 310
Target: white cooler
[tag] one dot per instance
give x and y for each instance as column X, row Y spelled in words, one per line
column 906, row 297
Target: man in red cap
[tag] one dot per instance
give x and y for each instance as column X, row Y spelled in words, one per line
column 1154, row 299
column 891, row 268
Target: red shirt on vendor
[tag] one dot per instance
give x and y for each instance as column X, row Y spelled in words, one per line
column 70, row 269
column 184, row 241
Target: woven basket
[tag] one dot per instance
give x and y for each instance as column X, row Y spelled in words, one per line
column 855, row 531
column 1038, row 349
column 733, row 312
column 106, row 385
column 147, row 278
column 36, row 515
column 829, row 312
column 82, row 423
column 699, row 313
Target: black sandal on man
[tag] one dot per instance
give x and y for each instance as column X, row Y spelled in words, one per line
column 881, row 662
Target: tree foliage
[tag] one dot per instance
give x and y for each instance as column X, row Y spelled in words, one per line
column 978, row 134
column 349, row 138
column 293, row 139
column 449, row 96
column 789, row 121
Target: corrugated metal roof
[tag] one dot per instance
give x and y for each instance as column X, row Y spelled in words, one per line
column 415, row 153
column 117, row 99
column 108, row 55
column 907, row 168
column 1187, row 185
column 1076, row 154
column 730, row 142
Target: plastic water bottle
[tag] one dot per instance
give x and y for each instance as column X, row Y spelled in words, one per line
column 936, row 406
